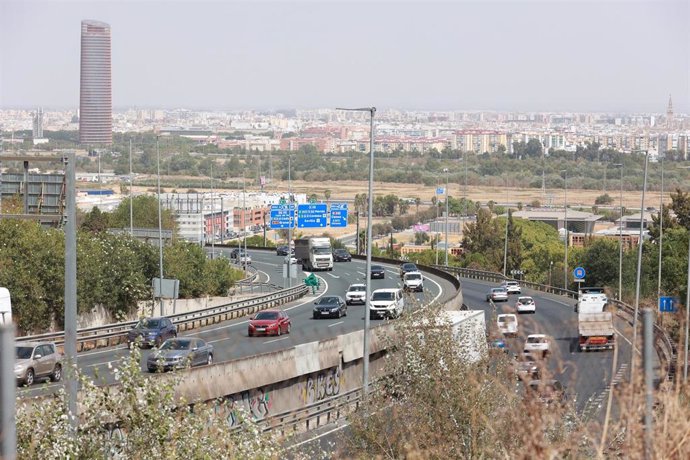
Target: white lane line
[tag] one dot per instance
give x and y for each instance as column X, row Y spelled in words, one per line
column 361, row 273
column 113, row 362
column 319, row 436
column 276, row 340
column 268, row 277
column 440, row 291
column 335, row 324
column 333, row 276
column 107, row 350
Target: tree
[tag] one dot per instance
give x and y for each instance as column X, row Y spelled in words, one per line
column 514, row 255
column 421, row 238
column 655, row 226
column 145, row 214
column 417, row 202
column 484, row 237
column 95, row 221
column 327, row 194
column 680, row 203
column 603, row 199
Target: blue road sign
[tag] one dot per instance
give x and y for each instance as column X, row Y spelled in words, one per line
column 440, row 191
column 282, row 216
column 338, row 214
column 579, row 273
column 667, row 304
column 312, row 215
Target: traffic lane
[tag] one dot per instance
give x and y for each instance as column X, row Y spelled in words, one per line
column 585, row 374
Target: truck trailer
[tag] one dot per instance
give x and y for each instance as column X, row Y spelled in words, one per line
column 595, row 331
column 314, row 253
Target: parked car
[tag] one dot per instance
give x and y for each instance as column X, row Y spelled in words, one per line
column 386, row 303
column 342, row 255
column 328, row 306
column 538, row 343
column 413, row 281
column 496, row 294
column 407, row 267
column 151, row 332
column 269, row 322
column 525, row 304
column 377, row 271
column 507, row 325
column 547, row 392
column 356, row 293
column 180, row 353
column 282, row 250
column 512, row 287
column 35, row 360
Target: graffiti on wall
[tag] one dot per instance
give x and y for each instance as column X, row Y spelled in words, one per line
column 321, row 385
column 254, row 404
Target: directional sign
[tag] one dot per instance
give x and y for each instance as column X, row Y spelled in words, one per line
column 312, row 215
column 579, row 273
column 440, row 191
column 667, row 304
column 282, row 216
column 338, row 214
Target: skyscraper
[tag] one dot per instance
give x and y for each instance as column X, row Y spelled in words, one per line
column 95, row 95
column 38, row 124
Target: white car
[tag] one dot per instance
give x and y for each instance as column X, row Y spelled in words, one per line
column 386, row 303
column 413, row 281
column 513, row 287
column 507, row 324
column 525, row 304
column 356, row 293
column 291, row 258
column 538, row 343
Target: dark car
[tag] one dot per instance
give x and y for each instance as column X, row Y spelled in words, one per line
column 269, row 322
column 151, row 332
column 179, row 354
column 330, row 306
column 548, row 392
column 282, row 250
column 407, row 267
column 377, row 271
column 341, row 255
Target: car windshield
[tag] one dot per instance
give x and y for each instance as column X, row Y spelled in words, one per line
column 148, row 323
column 376, row 268
column 525, row 300
column 341, row 252
column 24, row 352
column 506, row 319
column 409, row 267
column 327, row 301
column 536, row 340
column 176, row 345
column 414, row 276
column 267, row 315
column 321, row 250
column 498, row 290
column 383, row 296
column 360, row 288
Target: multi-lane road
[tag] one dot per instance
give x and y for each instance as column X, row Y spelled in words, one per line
column 230, row 338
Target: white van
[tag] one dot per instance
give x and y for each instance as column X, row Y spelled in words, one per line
column 386, row 303
column 5, row 306
column 413, row 281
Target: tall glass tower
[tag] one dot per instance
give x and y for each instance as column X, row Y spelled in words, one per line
column 95, row 95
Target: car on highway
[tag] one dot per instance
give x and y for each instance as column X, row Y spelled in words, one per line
column 269, row 322
column 386, row 303
column 36, row 360
column 497, row 294
column 413, row 281
column 151, row 332
column 341, row 255
column 329, row 306
column 528, row 366
column 377, row 271
column 282, row 250
column 538, row 343
column 512, row 287
column 356, row 293
column 291, row 259
column 243, row 258
column 180, row 353
column 525, row 304
column 507, row 325
column 407, row 267
column 548, row 392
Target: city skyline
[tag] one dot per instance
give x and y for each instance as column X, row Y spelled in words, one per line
column 524, row 56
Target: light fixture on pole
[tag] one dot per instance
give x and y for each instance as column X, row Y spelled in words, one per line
column 620, row 238
column 445, row 170
column 365, row 358
column 565, row 227
column 160, row 226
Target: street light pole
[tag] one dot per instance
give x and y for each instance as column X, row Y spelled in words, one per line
column 131, row 196
column 687, row 316
column 370, row 197
column 620, row 238
column 160, row 226
column 661, row 229
column 565, row 219
column 445, row 170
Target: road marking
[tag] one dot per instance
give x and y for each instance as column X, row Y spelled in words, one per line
column 106, row 350
column 319, row 436
column 335, row 324
column 333, row 276
column 268, row 277
column 361, row 273
column 276, row 340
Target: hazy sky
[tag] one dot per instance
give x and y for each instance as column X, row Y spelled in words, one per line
column 553, row 55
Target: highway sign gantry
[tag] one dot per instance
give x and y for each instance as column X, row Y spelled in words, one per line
column 312, row 215
column 338, row 214
column 282, row 216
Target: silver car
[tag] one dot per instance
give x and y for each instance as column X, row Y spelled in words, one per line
column 496, row 294
column 179, row 353
column 37, row 360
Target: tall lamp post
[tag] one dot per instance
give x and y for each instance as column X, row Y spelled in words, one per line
column 661, row 229
column 687, row 311
column 160, row 225
column 445, row 170
column 370, row 197
column 565, row 225
column 620, row 237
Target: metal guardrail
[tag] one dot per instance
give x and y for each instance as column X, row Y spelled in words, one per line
column 115, row 334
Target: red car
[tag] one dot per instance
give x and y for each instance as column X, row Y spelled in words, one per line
column 269, row 322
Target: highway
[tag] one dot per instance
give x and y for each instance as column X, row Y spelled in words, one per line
column 230, row 338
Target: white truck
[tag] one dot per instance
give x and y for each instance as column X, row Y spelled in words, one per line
column 314, row 253
column 595, row 326
column 5, row 306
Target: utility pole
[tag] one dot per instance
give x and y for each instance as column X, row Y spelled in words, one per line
column 447, row 211
column 131, row 196
column 565, row 218
column 160, row 226
column 70, row 344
